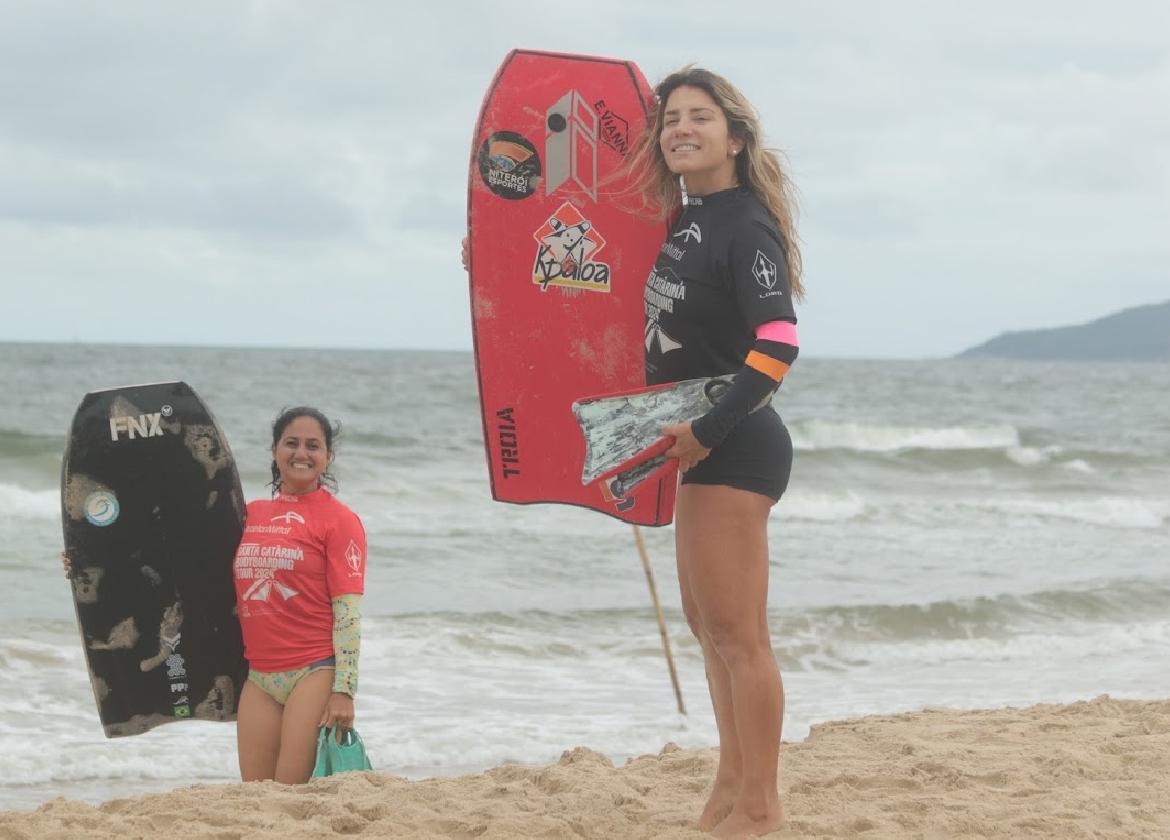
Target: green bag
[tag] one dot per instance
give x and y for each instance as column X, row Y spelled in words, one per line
column 345, row 757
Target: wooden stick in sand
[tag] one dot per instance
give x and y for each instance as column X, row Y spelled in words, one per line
column 661, row 620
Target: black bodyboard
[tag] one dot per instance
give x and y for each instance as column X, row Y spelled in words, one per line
column 153, row 511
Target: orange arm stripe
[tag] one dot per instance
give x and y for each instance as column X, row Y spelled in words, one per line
column 771, row 368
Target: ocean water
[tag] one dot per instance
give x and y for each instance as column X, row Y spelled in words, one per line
column 966, row 534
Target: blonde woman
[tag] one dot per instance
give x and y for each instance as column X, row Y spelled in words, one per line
column 719, row 301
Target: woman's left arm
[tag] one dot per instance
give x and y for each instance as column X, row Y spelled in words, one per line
column 339, row 711
column 345, row 559
column 763, row 370
column 758, row 274
column 347, row 642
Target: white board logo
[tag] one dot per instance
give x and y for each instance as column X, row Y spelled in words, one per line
column 570, row 144
column 142, row 426
column 101, row 508
column 765, row 271
column 176, row 667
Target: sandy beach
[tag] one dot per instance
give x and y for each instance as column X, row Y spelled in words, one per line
column 1094, row 769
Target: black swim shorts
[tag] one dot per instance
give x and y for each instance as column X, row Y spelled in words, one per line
column 756, row 456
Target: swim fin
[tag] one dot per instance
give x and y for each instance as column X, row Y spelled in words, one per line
column 623, row 431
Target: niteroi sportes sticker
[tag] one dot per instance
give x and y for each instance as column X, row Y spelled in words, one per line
column 567, row 245
column 509, row 165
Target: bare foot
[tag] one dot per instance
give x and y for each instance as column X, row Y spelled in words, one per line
column 739, row 824
column 719, row 804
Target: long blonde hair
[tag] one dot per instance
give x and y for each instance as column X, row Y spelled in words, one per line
column 756, row 167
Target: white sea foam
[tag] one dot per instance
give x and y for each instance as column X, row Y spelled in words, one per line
column 820, row 507
column 1071, row 642
column 818, row 434
column 199, row 753
column 1031, row 456
column 25, row 653
column 21, row 503
column 1034, row 456
column 1114, row 511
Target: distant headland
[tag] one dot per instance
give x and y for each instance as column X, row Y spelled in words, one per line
column 1141, row 334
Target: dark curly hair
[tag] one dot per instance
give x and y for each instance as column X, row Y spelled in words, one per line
column 331, row 431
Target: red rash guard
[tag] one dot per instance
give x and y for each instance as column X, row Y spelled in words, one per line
column 297, row 553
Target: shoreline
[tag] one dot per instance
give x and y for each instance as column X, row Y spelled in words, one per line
column 1095, row 768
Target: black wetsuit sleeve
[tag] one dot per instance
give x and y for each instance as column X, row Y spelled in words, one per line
column 758, row 272
column 750, row 388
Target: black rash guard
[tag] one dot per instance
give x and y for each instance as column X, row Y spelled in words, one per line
column 721, row 273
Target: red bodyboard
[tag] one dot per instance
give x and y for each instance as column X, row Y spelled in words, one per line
column 558, row 263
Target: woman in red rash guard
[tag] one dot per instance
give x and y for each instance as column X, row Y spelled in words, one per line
column 299, row 572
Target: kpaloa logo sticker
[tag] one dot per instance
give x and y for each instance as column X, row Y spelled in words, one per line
column 567, row 244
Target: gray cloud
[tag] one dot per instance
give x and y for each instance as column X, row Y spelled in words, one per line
column 963, row 169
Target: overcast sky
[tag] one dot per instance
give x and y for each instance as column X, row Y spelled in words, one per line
column 294, row 173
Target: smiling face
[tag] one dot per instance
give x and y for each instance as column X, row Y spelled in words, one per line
column 301, row 455
column 696, row 142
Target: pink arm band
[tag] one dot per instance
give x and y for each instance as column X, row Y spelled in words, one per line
column 780, row 331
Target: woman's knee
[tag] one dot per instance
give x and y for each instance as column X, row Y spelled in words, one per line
column 738, row 640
